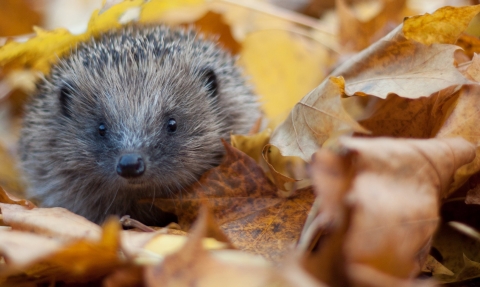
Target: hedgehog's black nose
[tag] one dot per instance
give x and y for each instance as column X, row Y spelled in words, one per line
column 130, row 165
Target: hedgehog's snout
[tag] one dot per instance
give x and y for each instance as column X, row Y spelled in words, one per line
column 131, row 165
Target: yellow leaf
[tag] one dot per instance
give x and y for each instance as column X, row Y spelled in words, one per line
column 443, row 26
column 154, row 10
column 252, row 145
column 283, row 69
column 40, row 52
column 108, row 19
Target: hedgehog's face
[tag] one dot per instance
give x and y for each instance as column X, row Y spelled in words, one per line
column 140, row 130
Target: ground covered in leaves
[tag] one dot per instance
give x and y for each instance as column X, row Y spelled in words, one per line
column 364, row 170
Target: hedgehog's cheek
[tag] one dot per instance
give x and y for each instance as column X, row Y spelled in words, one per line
column 131, row 165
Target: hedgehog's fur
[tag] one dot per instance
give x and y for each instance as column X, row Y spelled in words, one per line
column 132, row 80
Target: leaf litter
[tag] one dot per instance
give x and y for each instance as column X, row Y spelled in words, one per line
column 376, row 199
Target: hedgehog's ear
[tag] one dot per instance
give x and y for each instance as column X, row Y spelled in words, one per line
column 65, row 97
column 210, row 81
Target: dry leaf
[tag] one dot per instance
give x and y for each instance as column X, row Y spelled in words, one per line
column 396, row 65
column 470, row 44
column 281, row 181
column 5, row 197
column 46, row 47
column 325, row 234
column 473, row 70
column 283, row 67
column 283, row 171
column 172, row 12
column 378, row 205
column 252, row 145
column 292, row 273
column 357, row 34
column 393, row 66
column 18, row 17
column 394, row 192
column 207, row 268
column 462, row 120
column 435, row 267
column 443, row 26
column 450, row 245
column 410, row 118
column 134, row 242
column 212, row 24
column 51, row 222
column 214, row 237
column 130, row 276
column 366, row 276
column 82, row 261
column 318, row 116
column 246, row 206
column 471, row 269
column 10, row 178
column 472, row 187
column 21, row 248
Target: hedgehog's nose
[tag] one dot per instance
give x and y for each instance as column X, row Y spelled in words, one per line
column 130, row 165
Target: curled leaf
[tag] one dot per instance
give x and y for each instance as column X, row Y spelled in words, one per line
column 313, row 120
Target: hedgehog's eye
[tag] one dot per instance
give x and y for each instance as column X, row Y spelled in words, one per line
column 171, row 125
column 102, row 130
column 210, row 81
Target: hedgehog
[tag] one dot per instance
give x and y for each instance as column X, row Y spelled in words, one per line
column 136, row 112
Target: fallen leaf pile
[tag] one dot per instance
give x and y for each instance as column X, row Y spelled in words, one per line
column 364, row 170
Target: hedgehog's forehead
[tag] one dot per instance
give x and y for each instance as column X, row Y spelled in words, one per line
column 140, row 91
column 146, row 74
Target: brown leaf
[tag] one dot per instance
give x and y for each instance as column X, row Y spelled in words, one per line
column 397, row 65
column 52, row 222
column 226, row 189
column 410, row 118
column 281, row 180
column 473, row 195
column 207, row 268
column 253, row 144
column 433, row 266
column 245, row 204
column 130, row 276
column 470, row 44
column 291, row 273
column 283, row 171
column 82, row 261
column 325, row 234
column 206, row 221
column 366, row 276
column 395, row 193
column 462, row 120
column 272, row 231
column 454, row 240
column 356, row 34
column 212, row 24
column 473, row 70
column 21, row 248
column 471, row 269
column 5, row 197
column 10, row 177
column 318, row 116
column 18, row 17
